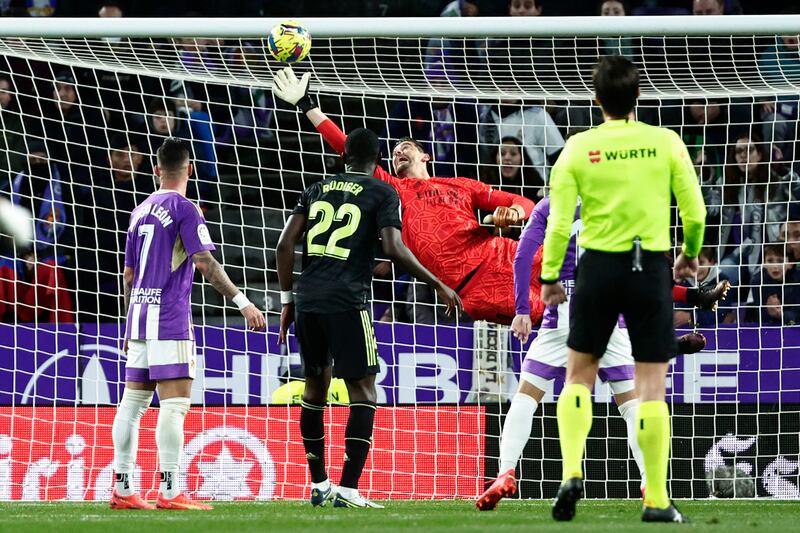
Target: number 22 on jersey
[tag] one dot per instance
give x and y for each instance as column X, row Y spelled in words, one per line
column 324, row 215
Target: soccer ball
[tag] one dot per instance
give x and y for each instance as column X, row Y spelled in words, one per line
column 289, row 42
column 730, row 482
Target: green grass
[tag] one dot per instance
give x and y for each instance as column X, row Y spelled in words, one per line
column 619, row 516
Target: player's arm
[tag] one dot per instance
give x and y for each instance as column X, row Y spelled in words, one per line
column 218, row 278
column 529, row 242
column 507, row 209
column 294, row 91
column 127, row 285
column 396, row 250
column 284, row 256
column 686, row 188
column 563, row 201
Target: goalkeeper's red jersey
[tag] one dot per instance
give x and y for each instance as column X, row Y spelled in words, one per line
column 439, row 223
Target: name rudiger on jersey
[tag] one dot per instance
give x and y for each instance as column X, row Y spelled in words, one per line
column 345, row 186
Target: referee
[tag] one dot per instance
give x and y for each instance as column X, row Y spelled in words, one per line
column 625, row 173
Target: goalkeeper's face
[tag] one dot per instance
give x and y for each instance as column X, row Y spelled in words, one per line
column 409, row 160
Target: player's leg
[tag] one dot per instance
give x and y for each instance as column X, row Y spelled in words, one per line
column 125, row 431
column 311, row 332
column 173, row 364
column 545, row 360
column 647, row 307
column 355, row 359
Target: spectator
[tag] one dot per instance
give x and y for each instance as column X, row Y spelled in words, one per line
column 704, row 132
column 40, row 8
column 524, row 8
column 193, row 126
column 453, row 53
column 775, row 293
column 110, row 9
column 752, row 201
column 116, row 194
column 618, row 46
column 778, row 64
column 12, row 142
column 707, row 274
column 790, row 234
column 508, row 170
column 708, row 7
column 447, row 128
column 530, row 124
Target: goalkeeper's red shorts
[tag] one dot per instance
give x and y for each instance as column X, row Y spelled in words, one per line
column 489, row 293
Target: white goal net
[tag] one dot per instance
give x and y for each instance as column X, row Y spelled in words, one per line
column 80, row 119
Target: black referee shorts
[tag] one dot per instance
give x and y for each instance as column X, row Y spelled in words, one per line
column 606, row 287
column 346, row 340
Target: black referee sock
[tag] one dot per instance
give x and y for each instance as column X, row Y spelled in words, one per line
column 691, row 295
column 357, row 440
column 312, row 428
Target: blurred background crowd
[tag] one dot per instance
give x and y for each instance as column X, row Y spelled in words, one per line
column 77, row 150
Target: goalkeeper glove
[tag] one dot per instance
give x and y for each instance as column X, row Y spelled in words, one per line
column 294, row 91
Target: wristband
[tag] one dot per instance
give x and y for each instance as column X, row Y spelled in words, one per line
column 548, row 281
column 287, row 297
column 307, row 103
column 241, row 301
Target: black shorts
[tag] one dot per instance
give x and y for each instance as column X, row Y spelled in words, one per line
column 345, row 339
column 606, row 286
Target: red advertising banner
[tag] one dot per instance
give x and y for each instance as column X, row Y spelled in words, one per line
column 231, row 453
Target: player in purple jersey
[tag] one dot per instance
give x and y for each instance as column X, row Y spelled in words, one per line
column 167, row 239
column 547, row 355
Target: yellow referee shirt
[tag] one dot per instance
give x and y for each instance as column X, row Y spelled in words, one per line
column 625, row 173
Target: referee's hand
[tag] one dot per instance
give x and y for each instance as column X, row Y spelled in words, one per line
column 553, row 293
column 685, row 267
column 449, row 297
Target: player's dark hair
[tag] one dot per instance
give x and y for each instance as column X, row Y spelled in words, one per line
column 173, row 155
column 361, row 147
column 616, row 85
column 411, row 140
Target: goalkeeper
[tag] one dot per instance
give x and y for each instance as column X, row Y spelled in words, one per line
column 439, row 223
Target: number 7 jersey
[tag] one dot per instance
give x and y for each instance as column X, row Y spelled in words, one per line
column 345, row 214
column 163, row 233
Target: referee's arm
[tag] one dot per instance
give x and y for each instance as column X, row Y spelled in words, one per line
column 686, row 188
column 563, row 200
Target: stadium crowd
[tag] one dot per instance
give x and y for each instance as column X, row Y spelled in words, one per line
column 77, row 150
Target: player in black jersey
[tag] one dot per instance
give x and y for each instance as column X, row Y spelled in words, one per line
column 342, row 217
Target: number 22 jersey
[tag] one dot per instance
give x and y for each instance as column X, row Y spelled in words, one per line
column 345, row 214
column 163, row 233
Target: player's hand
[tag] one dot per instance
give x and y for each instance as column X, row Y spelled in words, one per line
column 503, row 217
column 287, row 87
column 287, row 317
column 255, row 318
column 521, row 327
column 450, row 299
column 685, row 268
column 125, row 346
column 553, row 293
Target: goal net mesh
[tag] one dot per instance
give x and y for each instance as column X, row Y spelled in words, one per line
column 81, row 119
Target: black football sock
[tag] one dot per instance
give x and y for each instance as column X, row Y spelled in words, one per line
column 357, row 440
column 312, row 428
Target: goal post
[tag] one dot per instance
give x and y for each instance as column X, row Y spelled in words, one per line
column 84, row 103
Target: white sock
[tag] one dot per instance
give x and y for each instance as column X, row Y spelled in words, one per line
column 169, row 438
column 628, row 411
column 125, row 434
column 322, row 485
column 516, row 430
column 347, row 492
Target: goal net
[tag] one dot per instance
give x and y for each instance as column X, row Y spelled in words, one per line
column 80, row 120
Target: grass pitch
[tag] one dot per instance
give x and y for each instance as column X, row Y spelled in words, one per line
column 619, row 516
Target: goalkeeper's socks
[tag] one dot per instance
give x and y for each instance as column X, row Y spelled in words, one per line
column 169, row 439
column 653, row 434
column 312, row 429
column 357, row 440
column 516, row 430
column 574, row 412
column 630, row 412
column 125, row 434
